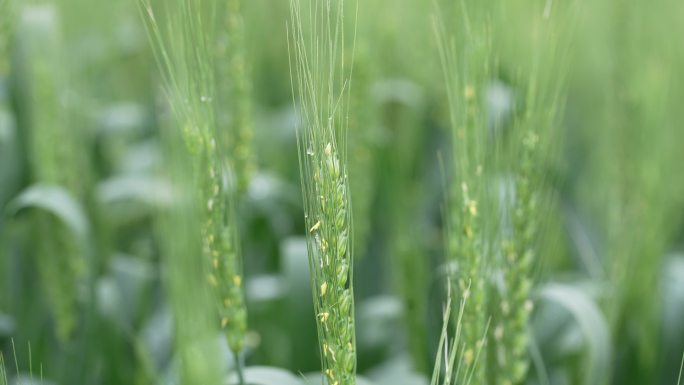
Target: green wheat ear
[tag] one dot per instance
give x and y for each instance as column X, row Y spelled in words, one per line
column 323, row 90
column 221, row 248
column 533, row 136
column 185, row 279
column 519, row 252
column 466, row 67
column 455, row 362
column 234, row 91
column 184, row 48
column 62, row 264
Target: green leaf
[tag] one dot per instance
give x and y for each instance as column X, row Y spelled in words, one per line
column 139, row 188
column 399, row 371
column 266, row 375
column 155, row 338
column 265, row 288
column 592, row 324
column 123, row 118
column 57, row 201
column 379, row 320
column 122, row 291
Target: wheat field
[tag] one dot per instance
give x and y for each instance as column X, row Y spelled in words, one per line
column 341, row 192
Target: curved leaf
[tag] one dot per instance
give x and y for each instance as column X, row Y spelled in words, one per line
column 379, row 322
column 399, row 370
column 592, row 323
column 137, row 188
column 57, row 201
column 267, row 375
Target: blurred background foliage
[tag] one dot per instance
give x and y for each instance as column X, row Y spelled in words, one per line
column 83, row 187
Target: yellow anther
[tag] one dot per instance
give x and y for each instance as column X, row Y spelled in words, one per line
column 324, row 316
column 469, row 92
column 324, row 289
column 472, row 208
column 315, row 227
column 332, row 354
column 328, row 149
column 237, row 280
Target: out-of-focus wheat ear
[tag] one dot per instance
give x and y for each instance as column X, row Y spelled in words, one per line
column 186, row 51
column 234, row 91
column 190, row 302
column 466, row 64
column 518, row 252
column 222, row 252
column 531, row 145
column 61, row 263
